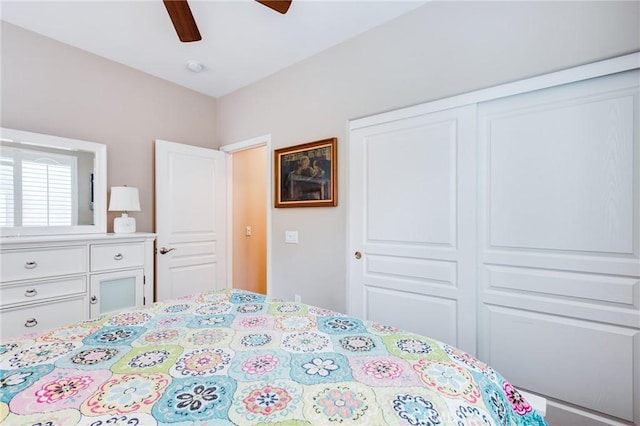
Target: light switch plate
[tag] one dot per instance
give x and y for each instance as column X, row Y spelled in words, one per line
column 291, row 237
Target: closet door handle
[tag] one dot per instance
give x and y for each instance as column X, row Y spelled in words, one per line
column 357, row 255
column 31, row 292
column 165, row 250
column 93, row 300
column 118, row 256
column 31, row 264
column 31, row 322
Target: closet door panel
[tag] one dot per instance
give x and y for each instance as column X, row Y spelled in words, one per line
column 550, row 168
column 411, row 178
column 597, row 297
column 418, row 272
column 598, row 375
column 413, row 232
column 559, row 242
column 429, row 310
column 602, row 289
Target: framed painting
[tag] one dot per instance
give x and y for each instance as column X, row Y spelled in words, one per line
column 306, row 175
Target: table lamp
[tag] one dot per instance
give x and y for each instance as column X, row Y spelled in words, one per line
column 124, row 199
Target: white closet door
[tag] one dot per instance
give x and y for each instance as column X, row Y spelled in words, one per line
column 559, row 245
column 412, row 222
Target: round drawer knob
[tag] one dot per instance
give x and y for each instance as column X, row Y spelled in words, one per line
column 31, row 322
column 31, row 292
column 93, row 300
column 118, row 256
column 31, row 265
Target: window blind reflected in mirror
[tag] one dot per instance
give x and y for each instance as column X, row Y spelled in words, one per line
column 37, row 188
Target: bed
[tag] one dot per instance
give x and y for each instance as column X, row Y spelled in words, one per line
column 237, row 358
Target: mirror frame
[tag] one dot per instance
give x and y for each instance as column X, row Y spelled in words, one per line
column 99, row 184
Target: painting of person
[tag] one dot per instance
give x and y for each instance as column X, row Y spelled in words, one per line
column 306, row 174
column 318, row 172
column 305, row 182
column 305, row 167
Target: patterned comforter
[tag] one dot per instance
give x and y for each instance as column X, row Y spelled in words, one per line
column 239, row 358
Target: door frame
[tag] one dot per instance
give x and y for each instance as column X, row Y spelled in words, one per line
column 264, row 140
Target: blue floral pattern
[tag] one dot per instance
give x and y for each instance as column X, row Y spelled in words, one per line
column 114, row 336
column 93, row 357
column 340, row 325
column 247, row 298
column 13, row 382
column 190, row 400
column 415, row 410
column 172, row 309
column 208, row 321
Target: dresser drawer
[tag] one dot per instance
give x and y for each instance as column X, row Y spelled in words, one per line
column 24, row 264
column 41, row 290
column 115, row 256
column 42, row 317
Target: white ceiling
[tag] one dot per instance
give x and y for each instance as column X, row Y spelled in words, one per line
column 242, row 40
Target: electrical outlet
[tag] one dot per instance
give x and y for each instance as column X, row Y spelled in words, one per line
column 297, row 298
column 247, row 231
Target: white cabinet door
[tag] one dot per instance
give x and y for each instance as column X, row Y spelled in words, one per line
column 191, row 199
column 116, row 291
column 412, row 225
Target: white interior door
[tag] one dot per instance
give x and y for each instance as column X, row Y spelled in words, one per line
column 412, row 224
column 190, row 219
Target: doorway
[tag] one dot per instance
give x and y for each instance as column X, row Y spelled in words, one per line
column 249, row 200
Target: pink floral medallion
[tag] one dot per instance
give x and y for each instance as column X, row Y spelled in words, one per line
column 516, row 400
column 202, row 362
column 67, row 333
column 260, row 364
column 382, row 369
column 267, row 400
column 253, row 322
column 129, row 318
column 164, row 335
column 340, row 404
column 66, row 387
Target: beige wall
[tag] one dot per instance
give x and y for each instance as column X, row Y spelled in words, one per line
column 439, row 50
column 249, row 209
column 49, row 87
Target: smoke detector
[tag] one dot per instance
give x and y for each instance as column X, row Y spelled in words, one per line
column 194, row 66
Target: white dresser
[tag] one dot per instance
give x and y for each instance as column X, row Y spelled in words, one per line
column 46, row 282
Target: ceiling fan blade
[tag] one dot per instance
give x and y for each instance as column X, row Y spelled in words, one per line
column 183, row 20
column 278, row 5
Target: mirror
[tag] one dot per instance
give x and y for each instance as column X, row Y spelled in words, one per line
column 51, row 185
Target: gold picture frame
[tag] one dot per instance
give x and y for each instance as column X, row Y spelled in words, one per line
column 306, row 175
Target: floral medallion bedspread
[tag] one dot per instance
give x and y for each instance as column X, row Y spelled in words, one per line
column 238, row 358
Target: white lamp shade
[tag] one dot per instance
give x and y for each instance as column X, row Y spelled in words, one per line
column 124, row 199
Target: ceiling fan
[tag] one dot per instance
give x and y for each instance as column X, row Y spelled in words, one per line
column 185, row 24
